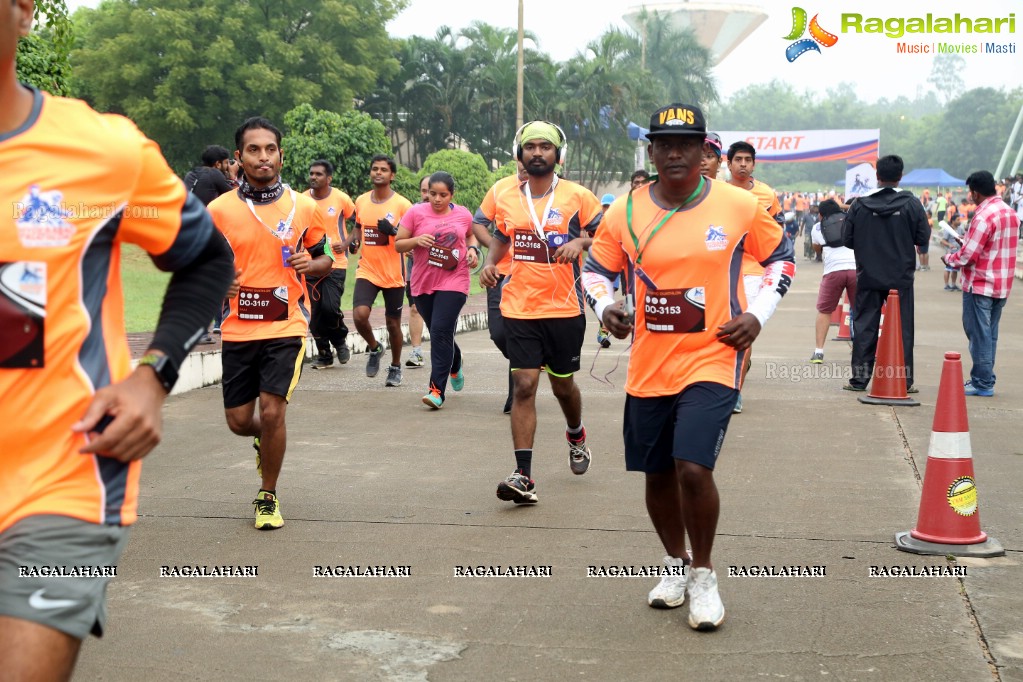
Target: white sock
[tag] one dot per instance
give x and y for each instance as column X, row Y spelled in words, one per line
column 819, row 350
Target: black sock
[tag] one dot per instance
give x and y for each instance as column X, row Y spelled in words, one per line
column 523, row 461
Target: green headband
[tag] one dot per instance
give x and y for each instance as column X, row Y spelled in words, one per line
column 541, row 130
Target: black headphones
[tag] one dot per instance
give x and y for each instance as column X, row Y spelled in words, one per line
column 562, row 148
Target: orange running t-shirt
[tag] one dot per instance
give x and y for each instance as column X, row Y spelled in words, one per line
column 271, row 303
column 80, row 184
column 694, row 261
column 488, row 209
column 378, row 261
column 336, row 207
column 769, row 200
column 538, row 288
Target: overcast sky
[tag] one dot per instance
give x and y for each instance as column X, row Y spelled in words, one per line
column 870, row 62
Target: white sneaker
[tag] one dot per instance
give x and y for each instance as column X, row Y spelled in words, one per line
column 706, row 612
column 671, row 591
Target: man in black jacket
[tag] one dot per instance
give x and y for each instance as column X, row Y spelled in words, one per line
column 209, row 181
column 883, row 228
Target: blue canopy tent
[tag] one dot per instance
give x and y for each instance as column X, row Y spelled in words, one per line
column 930, row 177
column 636, row 131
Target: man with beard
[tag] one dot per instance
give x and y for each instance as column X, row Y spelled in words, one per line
column 547, row 222
column 277, row 236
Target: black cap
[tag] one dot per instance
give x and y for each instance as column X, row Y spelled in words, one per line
column 677, row 119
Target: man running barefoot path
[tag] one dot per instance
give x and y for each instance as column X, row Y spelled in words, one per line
column 547, row 222
column 682, row 240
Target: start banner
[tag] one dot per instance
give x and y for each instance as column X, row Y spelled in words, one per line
column 792, row 146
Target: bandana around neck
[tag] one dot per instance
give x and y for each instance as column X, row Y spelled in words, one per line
column 265, row 195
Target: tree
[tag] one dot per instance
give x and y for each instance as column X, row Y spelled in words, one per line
column 188, row 72
column 946, row 76
column 601, row 93
column 347, row 140
column 472, row 178
column 43, row 57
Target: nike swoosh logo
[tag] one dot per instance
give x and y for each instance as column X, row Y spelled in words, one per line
column 38, row 601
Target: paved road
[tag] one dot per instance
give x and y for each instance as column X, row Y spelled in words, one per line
column 808, row 477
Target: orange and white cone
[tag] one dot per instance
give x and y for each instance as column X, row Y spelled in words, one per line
column 888, row 386
column 845, row 328
column 949, row 517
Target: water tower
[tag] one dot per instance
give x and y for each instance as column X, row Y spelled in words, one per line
column 718, row 26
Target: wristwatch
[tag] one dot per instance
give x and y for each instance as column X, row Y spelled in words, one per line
column 165, row 370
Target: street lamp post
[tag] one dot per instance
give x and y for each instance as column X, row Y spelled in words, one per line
column 518, row 86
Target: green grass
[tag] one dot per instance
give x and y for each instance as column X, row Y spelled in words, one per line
column 144, row 286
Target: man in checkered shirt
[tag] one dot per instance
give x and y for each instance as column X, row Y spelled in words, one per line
column 988, row 262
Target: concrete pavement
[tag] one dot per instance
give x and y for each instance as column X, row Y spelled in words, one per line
column 808, row 476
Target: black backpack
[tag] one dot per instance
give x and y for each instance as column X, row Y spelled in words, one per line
column 833, row 230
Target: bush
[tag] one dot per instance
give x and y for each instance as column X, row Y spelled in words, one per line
column 406, row 183
column 348, row 140
column 472, row 178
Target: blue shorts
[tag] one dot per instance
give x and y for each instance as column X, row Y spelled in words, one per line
column 689, row 426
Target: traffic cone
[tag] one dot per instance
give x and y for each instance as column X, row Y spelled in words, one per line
column 845, row 328
column 949, row 519
column 889, row 384
column 836, row 315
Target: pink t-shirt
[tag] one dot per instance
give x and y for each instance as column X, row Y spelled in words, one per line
column 442, row 267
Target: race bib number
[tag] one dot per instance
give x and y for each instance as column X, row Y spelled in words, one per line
column 371, row 236
column 675, row 311
column 443, row 257
column 263, row 305
column 529, row 248
column 22, row 314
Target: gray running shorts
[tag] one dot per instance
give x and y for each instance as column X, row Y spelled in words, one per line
column 54, row 571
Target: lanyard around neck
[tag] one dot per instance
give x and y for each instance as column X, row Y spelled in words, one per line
column 539, row 225
column 287, row 221
column 653, row 233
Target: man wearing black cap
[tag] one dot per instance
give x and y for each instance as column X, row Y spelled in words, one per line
column 681, row 240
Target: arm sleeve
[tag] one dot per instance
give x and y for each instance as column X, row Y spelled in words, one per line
column 779, row 264
column 195, row 292
column 604, row 261
column 848, row 240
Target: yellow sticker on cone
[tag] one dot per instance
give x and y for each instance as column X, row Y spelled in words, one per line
column 962, row 496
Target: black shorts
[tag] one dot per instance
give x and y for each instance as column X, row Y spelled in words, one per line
column 554, row 343
column 263, row 366
column 923, row 249
column 689, row 426
column 408, row 281
column 366, row 293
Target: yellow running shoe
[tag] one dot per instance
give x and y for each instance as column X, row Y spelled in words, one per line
column 268, row 511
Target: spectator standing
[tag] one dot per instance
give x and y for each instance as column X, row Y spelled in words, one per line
column 988, row 261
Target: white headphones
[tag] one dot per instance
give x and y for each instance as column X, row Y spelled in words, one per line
column 562, row 148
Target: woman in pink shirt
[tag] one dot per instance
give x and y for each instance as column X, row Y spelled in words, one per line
column 439, row 233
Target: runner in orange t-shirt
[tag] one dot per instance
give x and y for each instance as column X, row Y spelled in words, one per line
column 78, row 419
column 547, row 222
column 483, row 228
column 327, row 322
column 278, row 238
column 381, row 268
column 682, row 240
column 742, row 160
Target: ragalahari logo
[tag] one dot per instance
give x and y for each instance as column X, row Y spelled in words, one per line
column 817, row 35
